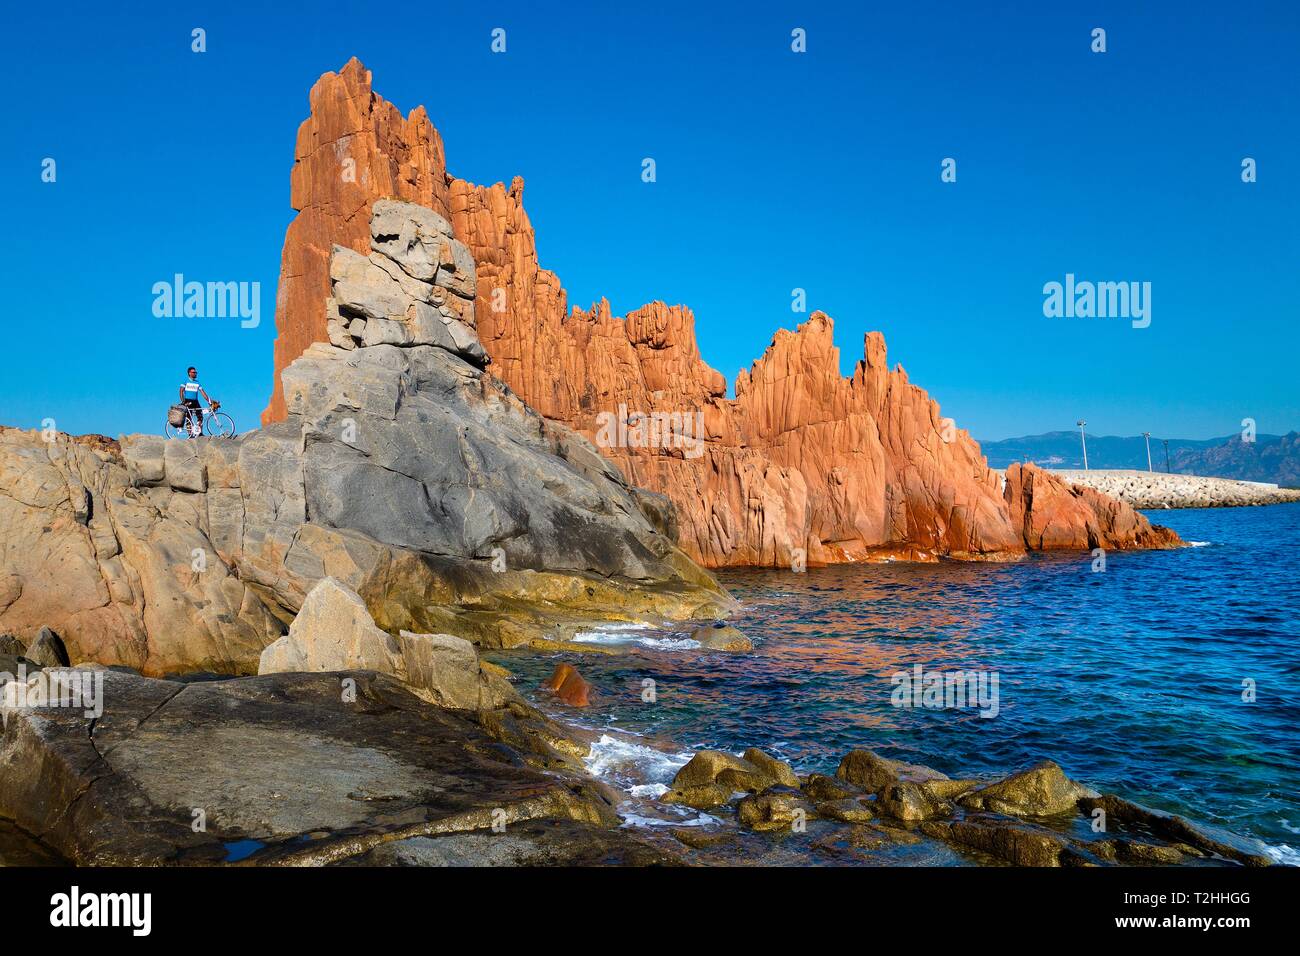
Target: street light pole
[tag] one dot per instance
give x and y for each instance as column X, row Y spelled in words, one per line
column 1084, row 439
column 1168, row 468
column 1147, row 436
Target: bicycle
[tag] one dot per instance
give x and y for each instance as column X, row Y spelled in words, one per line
column 217, row 423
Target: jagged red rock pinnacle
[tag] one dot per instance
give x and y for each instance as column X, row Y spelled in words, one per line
column 803, row 464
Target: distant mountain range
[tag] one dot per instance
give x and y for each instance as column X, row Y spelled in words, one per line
column 1272, row 458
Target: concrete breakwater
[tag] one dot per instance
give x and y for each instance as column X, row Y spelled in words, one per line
column 1145, row 489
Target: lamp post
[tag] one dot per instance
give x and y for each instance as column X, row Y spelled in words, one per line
column 1083, row 438
column 1147, row 436
column 1168, row 468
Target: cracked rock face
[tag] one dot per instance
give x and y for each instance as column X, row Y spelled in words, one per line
column 402, row 469
column 802, row 463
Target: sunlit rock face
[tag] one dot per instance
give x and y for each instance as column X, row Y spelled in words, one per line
column 802, row 466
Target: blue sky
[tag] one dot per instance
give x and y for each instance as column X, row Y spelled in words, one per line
column 775, row 170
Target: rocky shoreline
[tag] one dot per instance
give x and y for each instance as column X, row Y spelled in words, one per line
column 450, row 766
column 1153, row 490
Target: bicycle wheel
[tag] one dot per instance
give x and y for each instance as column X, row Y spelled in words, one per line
column 221, row 425
column 174, row 431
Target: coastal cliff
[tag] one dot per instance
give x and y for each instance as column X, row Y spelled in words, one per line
column 802, row 466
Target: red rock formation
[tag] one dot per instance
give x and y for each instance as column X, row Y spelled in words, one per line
column 1053, row 514
column 568, row 686
column 354, row 148
column 803, row 464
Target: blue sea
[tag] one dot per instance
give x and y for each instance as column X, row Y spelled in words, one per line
column 1170, row 677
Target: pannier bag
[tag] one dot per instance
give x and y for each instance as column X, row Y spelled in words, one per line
column 176, row 416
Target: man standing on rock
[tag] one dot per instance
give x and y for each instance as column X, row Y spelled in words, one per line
column 190, row 392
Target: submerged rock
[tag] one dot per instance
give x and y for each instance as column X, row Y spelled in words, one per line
column 821, row 787
column 1020, row 844
column 722, row 637
column 849, row 810
column 1192, row 838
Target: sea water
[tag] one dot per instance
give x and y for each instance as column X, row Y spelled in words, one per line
column 1170, row 677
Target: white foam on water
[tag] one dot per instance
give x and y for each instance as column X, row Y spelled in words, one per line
column 1200, row 544
column 1283, row 854
column 632, row 819
column 644, row 773
column 669, row 643
column 617, row 634
column 626, row 758
column 650, row 790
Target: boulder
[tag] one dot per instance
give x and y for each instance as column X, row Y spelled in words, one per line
column 821, row 787
column 568, row 685
column 722, row 637
column 778, row 770
column 11, row 646
column 446, row 670
column 714, row 766
column 334, row 632
column 47, row 650
column 1192, row 838
column 1138, row 852
column 873, row 773
column 1042, row 790
column 911, row 802
column 775, row 809
column 850, row 810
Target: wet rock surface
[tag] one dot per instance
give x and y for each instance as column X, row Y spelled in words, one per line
column 354, row 767
column 879, row 811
